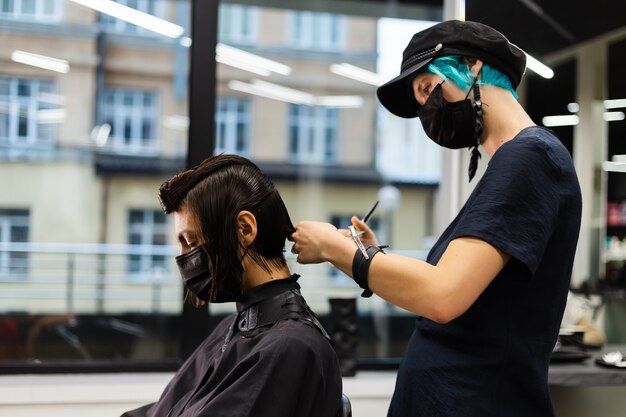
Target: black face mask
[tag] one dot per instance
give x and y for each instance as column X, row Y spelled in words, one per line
column 194, row 269
column 454, row 125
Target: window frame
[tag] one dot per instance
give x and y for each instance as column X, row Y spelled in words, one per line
column 227, row 123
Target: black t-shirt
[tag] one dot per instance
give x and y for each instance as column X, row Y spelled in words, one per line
column 285, row 369
column 493, row 359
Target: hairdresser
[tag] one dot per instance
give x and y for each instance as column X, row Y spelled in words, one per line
column 491, row 293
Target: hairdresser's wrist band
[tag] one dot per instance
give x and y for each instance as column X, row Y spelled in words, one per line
column 361, row 265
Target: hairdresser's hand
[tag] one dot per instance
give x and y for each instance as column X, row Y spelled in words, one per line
column 368, row 236
column 316, row 242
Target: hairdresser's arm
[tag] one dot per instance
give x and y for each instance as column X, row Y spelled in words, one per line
column 440, row 293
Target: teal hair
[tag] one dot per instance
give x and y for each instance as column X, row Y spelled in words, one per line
column 455, row 69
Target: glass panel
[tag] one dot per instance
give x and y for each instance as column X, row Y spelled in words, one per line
column 333, row 122
column 87, row 269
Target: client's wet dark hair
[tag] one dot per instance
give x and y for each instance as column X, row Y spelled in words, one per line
column 214, row 193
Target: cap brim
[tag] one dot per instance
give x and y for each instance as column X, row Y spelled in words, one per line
column 397, row 96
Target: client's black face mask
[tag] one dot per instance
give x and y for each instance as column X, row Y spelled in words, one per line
column 454, row 125
column 194, row 269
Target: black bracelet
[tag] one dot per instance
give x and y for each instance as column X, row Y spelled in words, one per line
column 361, row 265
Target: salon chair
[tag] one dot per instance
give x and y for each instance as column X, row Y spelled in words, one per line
column 346, row 408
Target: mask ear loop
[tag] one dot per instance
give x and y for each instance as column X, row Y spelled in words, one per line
column 478, row 128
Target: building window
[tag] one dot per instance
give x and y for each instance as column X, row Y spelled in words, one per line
column 24, row 112
column 152, row 7
column 232, row 123
column 237, row 23
column 132, row 115
column 146, row 229
column 14, row 228
column 319, row 31
column 38, row 10
column 313, row 133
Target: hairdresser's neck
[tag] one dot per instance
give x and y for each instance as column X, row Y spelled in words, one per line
column 503, row 118
column 254, row 275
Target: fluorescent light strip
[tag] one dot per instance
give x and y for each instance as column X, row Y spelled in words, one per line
column 290, row 95
column 565, row 120
column 538, row 67
column 573, row 107
column 613, row 116
column 134, row 16
column 51, row 116
column 242, row 65
column 615, row 104
column 234, row 54
column 614, row 166
column 339, row 101
column 356, row 73
column 41, row 61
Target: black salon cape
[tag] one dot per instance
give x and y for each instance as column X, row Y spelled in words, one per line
column 286, row 369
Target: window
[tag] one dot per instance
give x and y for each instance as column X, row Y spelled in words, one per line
column 39, row 10
column 237, row 23
column 132, row 115
column 313, row 133
column 151, row 7
column 13, row 229
column 147, row 228
column 25, row 115
column 232, row 123
column 321, row 31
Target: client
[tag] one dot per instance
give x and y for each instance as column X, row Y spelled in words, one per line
column 272, row 358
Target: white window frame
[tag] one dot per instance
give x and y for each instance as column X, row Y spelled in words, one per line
column 117, row 114
column 14, row 107
column 39, row 13
column 232, row 112
column 147, row 230
column 311, row 124
column 238, row 23
column 114, row 24
column 7, row 221
column 314, row 31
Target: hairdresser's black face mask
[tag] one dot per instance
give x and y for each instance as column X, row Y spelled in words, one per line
column 454, row 125
column 448, row 124
column 194, row 269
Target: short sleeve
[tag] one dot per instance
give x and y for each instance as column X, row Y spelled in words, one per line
column 516, row 204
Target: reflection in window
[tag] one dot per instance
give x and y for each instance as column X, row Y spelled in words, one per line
column 41, row 10
column 24, row 113
column 14, row 228
column 313, row 133
column 320, row 31
column 151, row 7
column 232, row 123
column 237, row 23
column 132, row 115
column 147, row 228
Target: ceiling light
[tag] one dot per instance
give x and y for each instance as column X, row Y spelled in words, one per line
column 51, row 115
column 573, row 107
column 225, row 52
column 274, row 91
column 565, row 120
column 614, row 104
column 291, row 95
column 41, row 61
column 339, row 101
column 242, row 65
column 613, row 116
column 617, row 164
column 538, row 67
column 134, row 16
column 185, row 41
column 356, row 73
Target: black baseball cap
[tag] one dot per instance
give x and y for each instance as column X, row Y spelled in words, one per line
column 452, row 37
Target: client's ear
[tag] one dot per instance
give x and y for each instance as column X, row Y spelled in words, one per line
column 246, row 227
